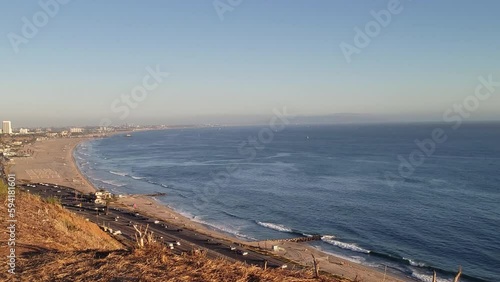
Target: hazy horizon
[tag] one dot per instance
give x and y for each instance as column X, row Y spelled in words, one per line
column 237, row 65
column 334, row 119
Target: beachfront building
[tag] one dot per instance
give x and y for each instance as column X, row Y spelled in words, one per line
column 7, row 127
column 100, row 197
column 76, row 130
column 104, row 129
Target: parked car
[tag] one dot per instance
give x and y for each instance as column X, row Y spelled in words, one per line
column 243, row 253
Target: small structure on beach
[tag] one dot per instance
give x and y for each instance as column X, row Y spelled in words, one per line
column 277, row 248
column 100, row 197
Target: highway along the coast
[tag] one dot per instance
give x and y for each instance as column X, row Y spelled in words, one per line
column 180, row 239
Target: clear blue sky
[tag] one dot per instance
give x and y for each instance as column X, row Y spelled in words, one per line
column 262, row 55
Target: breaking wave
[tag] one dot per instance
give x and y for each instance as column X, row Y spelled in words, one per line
column 113, row 183
column 277, row 227
column 118, row 173
column 427, row 278
column 347, row 246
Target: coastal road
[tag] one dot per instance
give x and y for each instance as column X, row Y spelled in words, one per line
column 184, row 240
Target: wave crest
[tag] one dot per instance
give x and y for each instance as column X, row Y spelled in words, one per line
column 277, row 227
column 415, row 263
column 347, row 246
column 117, row 173
column 427, row 278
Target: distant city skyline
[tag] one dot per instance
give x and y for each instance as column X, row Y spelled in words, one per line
column 77, row 63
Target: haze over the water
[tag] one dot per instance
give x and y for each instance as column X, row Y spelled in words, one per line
column 236, row 64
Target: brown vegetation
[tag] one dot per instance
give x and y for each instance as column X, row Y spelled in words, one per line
column 45, row 225
column 149, row 264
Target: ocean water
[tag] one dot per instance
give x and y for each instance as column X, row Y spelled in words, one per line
column 342, row 182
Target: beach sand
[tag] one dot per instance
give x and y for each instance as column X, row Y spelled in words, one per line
column 52, row 162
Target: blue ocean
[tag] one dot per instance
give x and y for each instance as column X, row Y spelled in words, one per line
column 375, row 196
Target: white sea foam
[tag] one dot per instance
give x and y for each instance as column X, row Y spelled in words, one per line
column 137, row 177
column 277, row 227
column 427, row 277
column 343, row 245
column 355, row 259
column 118, row 173
column 415, row 263
column 113, row 183
column 224, row 228
column 279, row 155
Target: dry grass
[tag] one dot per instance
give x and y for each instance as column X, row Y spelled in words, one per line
column 149, row 264
column 42, row 227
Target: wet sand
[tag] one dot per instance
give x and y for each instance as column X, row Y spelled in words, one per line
column 53, row 162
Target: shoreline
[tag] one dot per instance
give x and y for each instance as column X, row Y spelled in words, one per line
column 299, row 253
column 75, row 163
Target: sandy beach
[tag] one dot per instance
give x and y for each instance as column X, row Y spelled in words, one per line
column 53, row 162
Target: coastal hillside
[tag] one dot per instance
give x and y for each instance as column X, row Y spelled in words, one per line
column 44, row 226
column 53, row 244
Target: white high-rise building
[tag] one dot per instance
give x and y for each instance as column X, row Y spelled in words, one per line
column 7, row 127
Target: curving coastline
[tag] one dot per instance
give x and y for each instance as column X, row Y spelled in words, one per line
column 57, row 155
